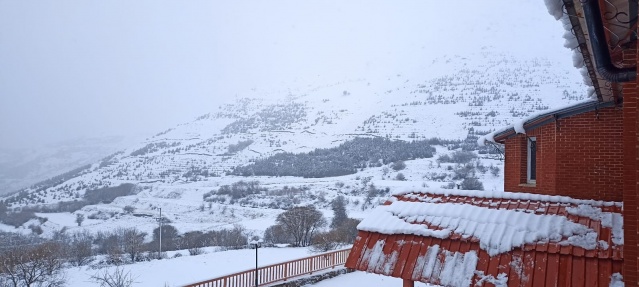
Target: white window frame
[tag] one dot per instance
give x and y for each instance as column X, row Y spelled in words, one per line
column 529, row 160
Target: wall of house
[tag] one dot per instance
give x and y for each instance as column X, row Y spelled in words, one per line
column 630, row 93
column 516, row 168
column 579, row 156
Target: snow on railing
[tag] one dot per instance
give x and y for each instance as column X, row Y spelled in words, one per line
column 278, row 272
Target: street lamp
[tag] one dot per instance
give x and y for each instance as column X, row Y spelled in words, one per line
column 256, row 245
column 160, row 234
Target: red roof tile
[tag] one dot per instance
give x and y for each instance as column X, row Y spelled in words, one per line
column 462, row 260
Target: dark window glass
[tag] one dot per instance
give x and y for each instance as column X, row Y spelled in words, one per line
column 532, row 159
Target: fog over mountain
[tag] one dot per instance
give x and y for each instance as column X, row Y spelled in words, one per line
column 94, row 69
column 200, row 123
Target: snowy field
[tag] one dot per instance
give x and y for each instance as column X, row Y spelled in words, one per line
column 190, row 269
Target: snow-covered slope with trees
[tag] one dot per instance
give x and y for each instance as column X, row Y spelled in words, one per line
column 182, row 169
column 22, row 167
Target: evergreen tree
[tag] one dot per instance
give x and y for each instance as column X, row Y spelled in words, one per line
column 339, row 211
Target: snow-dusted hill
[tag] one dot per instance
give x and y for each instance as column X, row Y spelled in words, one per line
column 22, row 167
column 174, row 169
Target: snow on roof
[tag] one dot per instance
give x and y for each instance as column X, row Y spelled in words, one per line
column 611, row 220
column 519, row 126
column 498, row 231
column 616, row 280
column 450, row 268
column 516, row 238
column 423, row 194
column 556, row 9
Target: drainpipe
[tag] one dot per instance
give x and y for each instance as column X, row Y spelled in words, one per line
column 605, row 68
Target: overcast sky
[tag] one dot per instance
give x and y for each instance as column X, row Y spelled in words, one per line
column 87, row 68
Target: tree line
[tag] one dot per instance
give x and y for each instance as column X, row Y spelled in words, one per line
column 342, row 160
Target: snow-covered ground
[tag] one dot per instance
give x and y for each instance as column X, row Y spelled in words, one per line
column 359, row 278
column 190, row 269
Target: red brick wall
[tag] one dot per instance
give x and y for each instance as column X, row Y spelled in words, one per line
column 516, row 168
column 579, row 156
column 630, row 177
column 590, row 155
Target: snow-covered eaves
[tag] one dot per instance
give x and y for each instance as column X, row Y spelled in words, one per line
column 507, row 239
column 575, row 40
column 542, row 118
column 599, row 35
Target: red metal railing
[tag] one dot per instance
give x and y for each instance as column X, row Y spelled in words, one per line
column 278, row 272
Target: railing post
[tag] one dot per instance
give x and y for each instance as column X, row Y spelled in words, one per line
column 333, row 261
column 286, row 271
column 311, row 268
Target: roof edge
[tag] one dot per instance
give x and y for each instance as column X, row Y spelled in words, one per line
column 536, row 121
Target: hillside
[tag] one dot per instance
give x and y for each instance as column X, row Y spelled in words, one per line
column 175, row 169
column 22, row 167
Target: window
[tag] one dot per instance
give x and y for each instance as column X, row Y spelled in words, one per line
column 532, row 160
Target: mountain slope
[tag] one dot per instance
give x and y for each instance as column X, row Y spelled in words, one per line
column 453, row 98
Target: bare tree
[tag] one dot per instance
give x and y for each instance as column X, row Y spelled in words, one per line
column 133, row 243
column 80, row 250
column 79, row 218
column 301, row 222
column 38, row 265
column 277, row 234
column 117, row 278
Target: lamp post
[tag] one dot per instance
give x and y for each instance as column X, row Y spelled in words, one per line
column 160, row 234
column 256, row 244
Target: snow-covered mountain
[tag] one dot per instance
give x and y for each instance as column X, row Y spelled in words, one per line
column 22, row 167
column 181, row 169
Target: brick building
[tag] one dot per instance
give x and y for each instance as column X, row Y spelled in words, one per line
column 567, row 152
column 577, row 166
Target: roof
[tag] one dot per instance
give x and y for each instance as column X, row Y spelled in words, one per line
column 543, row 118
column 598, row 33
column 459, row 239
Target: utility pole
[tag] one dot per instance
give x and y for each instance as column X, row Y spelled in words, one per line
column 160, row 235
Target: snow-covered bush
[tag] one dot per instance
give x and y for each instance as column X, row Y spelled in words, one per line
column 458, row 157
column 472, row 184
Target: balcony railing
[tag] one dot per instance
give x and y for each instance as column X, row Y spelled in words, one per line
column 278, row 272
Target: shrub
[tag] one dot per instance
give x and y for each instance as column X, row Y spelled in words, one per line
column 494, row 170
column 240, row 189
column 450, row 185
column 463, row 172
column 398, row 165
column 472, row 184
column 117, row 278
column 458, row 157
column 196, row 251
column 129, row 209
column 233, row 148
